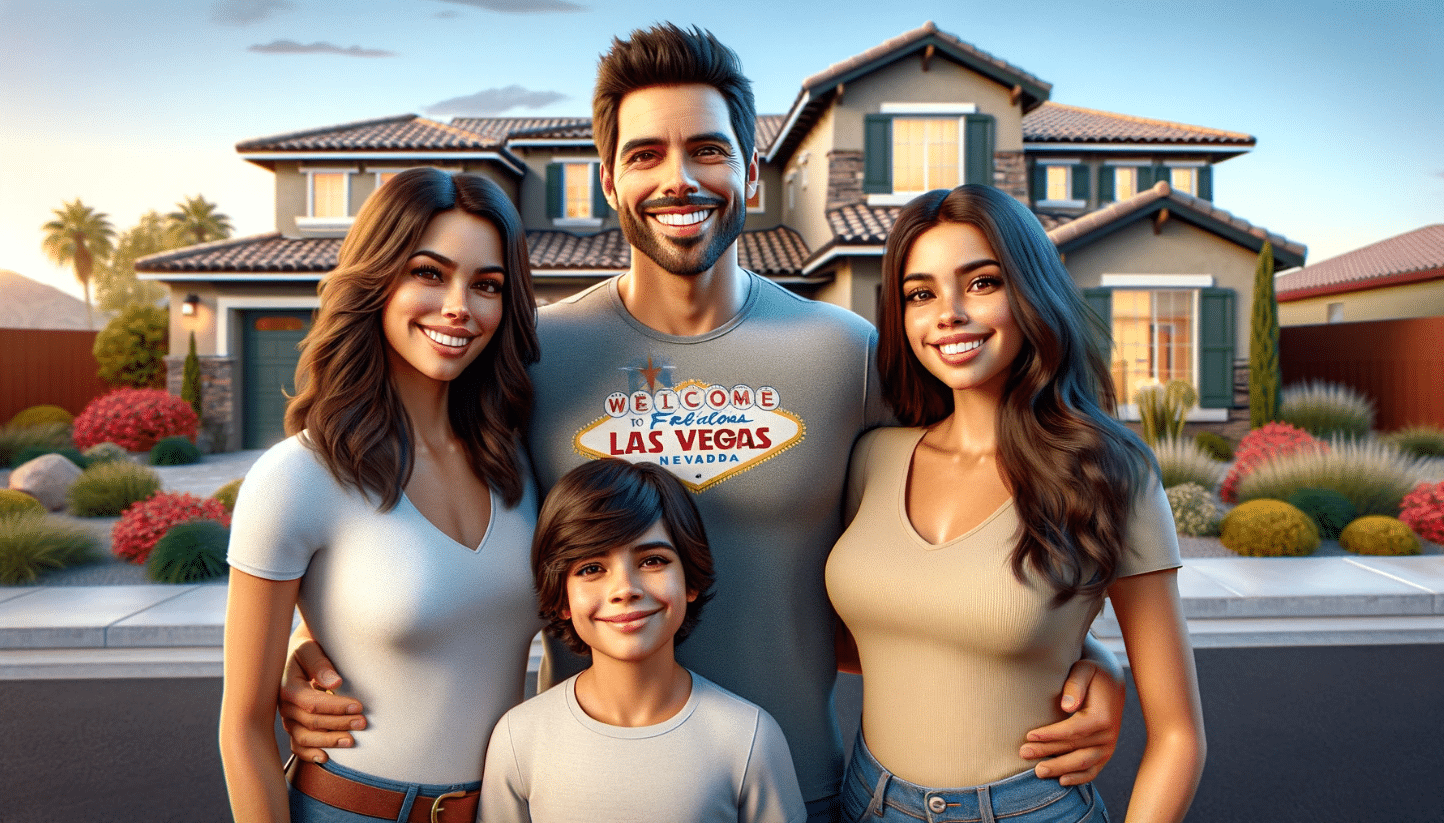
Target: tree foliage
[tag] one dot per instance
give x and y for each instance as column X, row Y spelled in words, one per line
column 191, row 384
column 1264, row 372
column 116, row 285
column 196, row 220
column 79, row 236
column 131, row 348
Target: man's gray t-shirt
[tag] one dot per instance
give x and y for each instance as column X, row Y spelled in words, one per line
column 758, row 418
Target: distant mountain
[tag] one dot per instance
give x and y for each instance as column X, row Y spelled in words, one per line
column 29, row 304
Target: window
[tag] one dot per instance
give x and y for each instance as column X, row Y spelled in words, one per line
column 1060, row 182
column 1184, row 179
column 1336, row 312
column 1125, row 182
column 383, row 177
column 574, row 192
column 910, row 149
column 755, row 203
column 329, row 192
column 1153, row 338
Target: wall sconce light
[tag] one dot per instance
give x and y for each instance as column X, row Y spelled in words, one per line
column 188, row 306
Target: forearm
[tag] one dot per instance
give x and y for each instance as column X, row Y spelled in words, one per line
column 1167, row 777
column 253, row 773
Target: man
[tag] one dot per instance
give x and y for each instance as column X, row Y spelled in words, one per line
column 750, row 394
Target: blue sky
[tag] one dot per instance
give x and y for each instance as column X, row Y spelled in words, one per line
column 135, row 104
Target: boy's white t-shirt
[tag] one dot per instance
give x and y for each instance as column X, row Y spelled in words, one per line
column 720, row 758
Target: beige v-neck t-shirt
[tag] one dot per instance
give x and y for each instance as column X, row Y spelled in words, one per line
column 959, row 659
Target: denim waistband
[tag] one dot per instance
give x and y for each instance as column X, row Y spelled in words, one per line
column 396, row 785
column 1020, row 794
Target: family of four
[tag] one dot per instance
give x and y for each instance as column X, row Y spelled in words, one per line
column 940, row 504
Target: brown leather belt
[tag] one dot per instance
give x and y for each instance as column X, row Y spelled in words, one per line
column 335, row 790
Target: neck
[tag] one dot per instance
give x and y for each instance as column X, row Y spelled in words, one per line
column 972, row 428
column 684, row 305
column 427, row 408
column 634, row 693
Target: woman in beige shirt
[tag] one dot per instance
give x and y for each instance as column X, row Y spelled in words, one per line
column 985, row 537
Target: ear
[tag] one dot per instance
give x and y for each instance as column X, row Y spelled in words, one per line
column 609, row 187
column 753, row 175
column 691, row 595
column 566, row 614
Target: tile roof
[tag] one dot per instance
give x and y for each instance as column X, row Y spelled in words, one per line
column 407, row 132
column 1286, row 251
column 564, row 250
column 887, row 48
column 777, row 250
column 1059, row 123
column 1409, row 257
column 259, row 253
column 862, row 225
column 498, row 129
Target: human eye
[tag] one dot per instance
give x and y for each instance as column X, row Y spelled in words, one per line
column 656, row 560
column 586, row 569
column 986, row 283
column 642, row 157
column 426, row 271
column 491, row 284
column 917, row 294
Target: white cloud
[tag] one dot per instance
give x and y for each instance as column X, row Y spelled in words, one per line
column 245, row 12
column 496, row 101
column 520, row 6
column 292, row 47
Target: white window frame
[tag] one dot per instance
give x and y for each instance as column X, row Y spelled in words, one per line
column 1127, row 409
column 1125, row 164
column 1195, row 165
column 591, row 164
column 1067, row 163
column 308, row 224
column 927, row 111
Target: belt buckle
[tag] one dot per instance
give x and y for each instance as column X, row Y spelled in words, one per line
column 436, row 804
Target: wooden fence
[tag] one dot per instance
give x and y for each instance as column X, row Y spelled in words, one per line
column 47, row 366
column 1398, row 363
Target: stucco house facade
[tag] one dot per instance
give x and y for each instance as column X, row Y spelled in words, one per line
column 1402, row 276
column 1127, row 199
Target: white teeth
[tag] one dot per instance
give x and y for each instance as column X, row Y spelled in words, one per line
column 682, row 218
column 446, row 339
column 959, row 348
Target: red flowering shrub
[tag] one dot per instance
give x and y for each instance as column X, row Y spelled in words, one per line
column 134, row 419
column 142, row 524
column 1423, row 511
column 1267, row 441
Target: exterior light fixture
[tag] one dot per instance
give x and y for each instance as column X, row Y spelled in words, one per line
column 188, row 306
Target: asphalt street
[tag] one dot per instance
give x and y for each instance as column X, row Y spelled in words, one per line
column 1316, row 734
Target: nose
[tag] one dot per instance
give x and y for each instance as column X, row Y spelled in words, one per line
column 680, row 180
column 625, row 586
column 454, row 305
column 954, row 313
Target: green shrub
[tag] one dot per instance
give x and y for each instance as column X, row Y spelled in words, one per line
column 1330, row 510
column 174, row 451
column 190, row 552
column 131, row 348
column 1420, row 441
column 106, row 452
column 227, row 494
column 1161, row 409
column 32, row 543
column 29, row 453
column 15, row 438
column 1265, row 375
column 1326, row 410
column 107, row 489
column 44, row 415
column 1374, row 476
column 1214, row 445
column 1269, row 528
column 1195, row 510
column 13, row 501
column 1182, row 461
column 1377, row 534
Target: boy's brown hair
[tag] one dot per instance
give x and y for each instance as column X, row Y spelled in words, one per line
column 604, row 504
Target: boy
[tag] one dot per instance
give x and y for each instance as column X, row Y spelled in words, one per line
column 622, row 570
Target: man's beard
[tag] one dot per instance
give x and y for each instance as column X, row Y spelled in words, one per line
column 684, row 256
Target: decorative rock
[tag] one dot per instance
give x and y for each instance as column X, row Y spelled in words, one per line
column 46, row 478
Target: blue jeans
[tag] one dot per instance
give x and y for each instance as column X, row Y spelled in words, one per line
column 307, row 809
column 871, row 794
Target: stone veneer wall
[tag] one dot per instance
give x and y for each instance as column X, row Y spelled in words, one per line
column 1010, row 173
column 844, row 178
column 218, row 410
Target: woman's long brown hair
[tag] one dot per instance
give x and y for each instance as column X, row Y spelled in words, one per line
column 1073, row 469
column 345, row 402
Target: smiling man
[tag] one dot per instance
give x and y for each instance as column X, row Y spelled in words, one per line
column 751, row 395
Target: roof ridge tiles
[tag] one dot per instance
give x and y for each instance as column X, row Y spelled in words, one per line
column 296, row 135
column 1151, row 121
column 907, row 38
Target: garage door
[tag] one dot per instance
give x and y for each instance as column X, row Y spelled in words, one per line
column 270, row 355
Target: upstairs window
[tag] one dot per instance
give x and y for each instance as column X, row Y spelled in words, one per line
column 926, row 153
column 912, row 148
column 574, row 192
column 1060, row 182
column 329, row 193
column 1184, row 179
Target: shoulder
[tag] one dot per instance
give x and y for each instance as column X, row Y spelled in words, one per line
column 776, row 301
column 885, row 441
column 289, row 465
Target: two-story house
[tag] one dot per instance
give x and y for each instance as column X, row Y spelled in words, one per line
column 1128, row 200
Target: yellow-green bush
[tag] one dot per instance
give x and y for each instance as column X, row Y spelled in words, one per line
column 1269, row 528
column 1377, row 534
column 227, row 494
column 15, row 502
column 41, row 416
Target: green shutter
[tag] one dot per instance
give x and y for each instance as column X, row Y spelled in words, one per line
column 978, row 145
column 1161, row 173
column 1205, row 182
column 1100, row 300
column 1105, row 184
column 1081, row 182
column 556, row 182
column 599, row 197
column 1040, row 182
column 1215, row 348
column 1145, row 178
column 877, row 154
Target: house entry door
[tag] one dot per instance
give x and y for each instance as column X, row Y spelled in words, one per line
column 269, row 371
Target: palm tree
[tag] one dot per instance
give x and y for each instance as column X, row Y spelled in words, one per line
column 78, row 236
column 197, row 221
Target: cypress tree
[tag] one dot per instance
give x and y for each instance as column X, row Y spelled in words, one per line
column 191, row 382
column 1264, row 373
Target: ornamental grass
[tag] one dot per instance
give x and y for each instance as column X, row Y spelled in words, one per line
column 15, row 439
column 107, row 489
column 1420, row 441
column 1182, row 461
column 1327, row 410
column 1374, row 476
column 32, row 543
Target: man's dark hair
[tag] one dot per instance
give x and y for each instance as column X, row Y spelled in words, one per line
column 666, row 55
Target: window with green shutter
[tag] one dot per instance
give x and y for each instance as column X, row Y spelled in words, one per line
column 913, row 153
column 877, row 154
column 1215, row 348
column 574, row 191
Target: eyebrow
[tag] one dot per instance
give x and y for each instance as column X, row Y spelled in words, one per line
column 449, row 263
column 707, row 137
column 966, row 268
